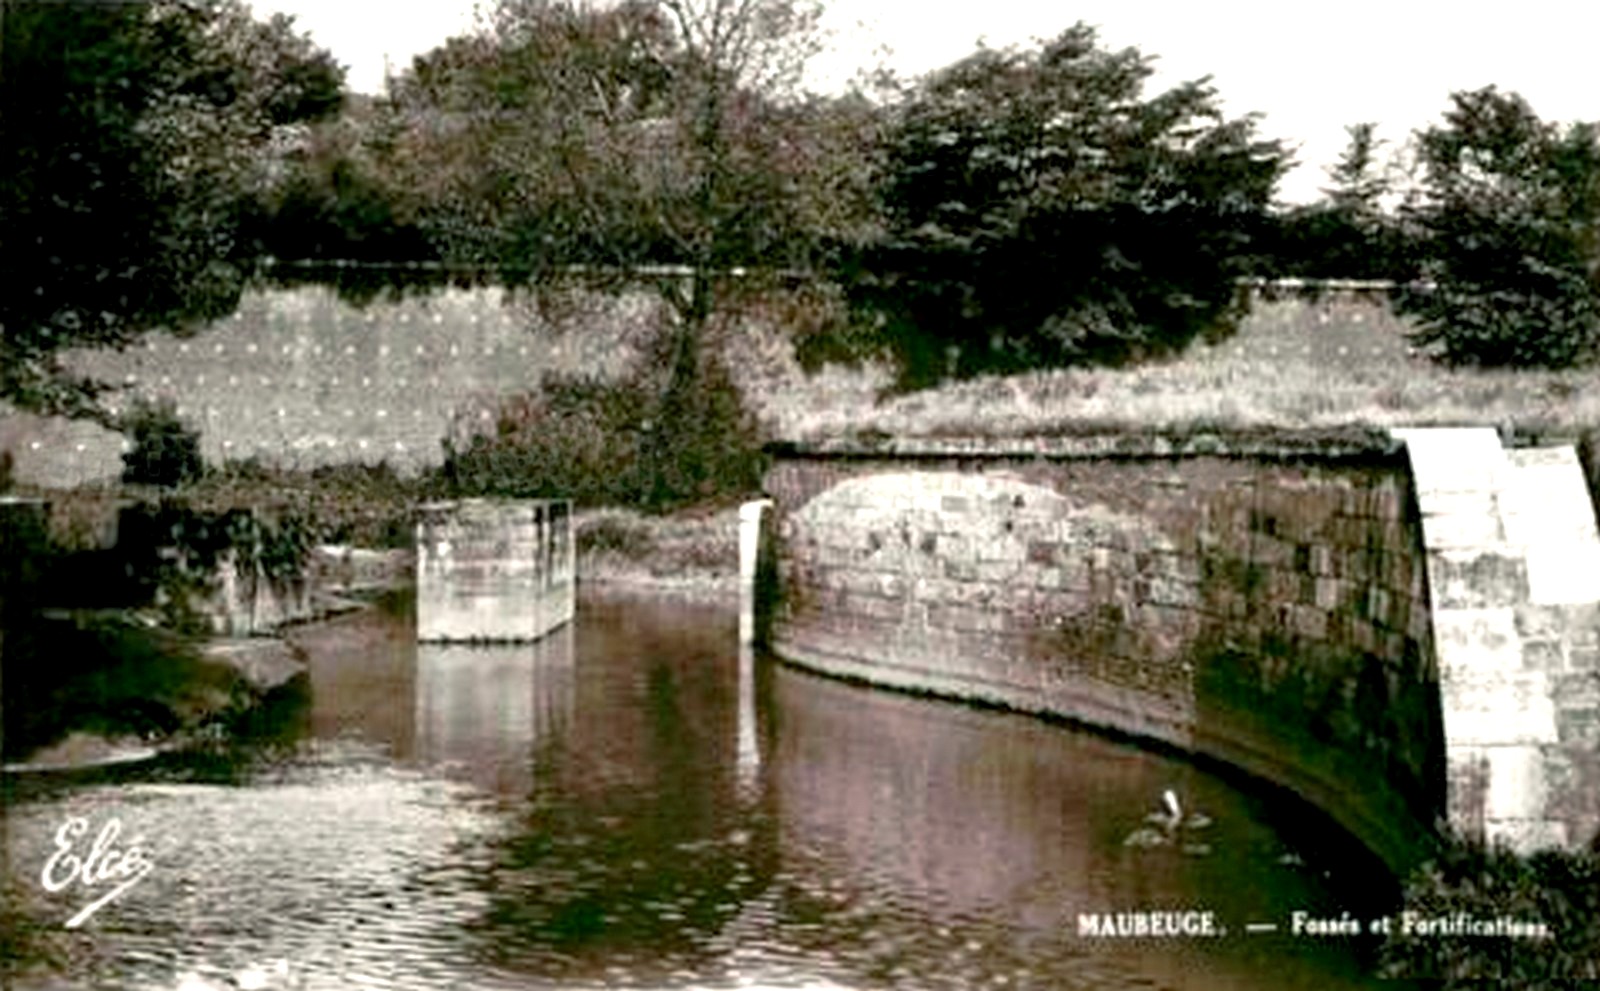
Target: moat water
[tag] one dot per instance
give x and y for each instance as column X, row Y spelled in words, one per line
column 630, row 804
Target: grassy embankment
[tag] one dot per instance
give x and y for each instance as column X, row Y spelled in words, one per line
column 1291, row 366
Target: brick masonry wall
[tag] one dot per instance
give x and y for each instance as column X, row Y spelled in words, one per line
column 1271, row 613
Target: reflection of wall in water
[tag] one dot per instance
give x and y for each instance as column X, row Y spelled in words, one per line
column 967, row 810
column 968, row 814
column 483, row 710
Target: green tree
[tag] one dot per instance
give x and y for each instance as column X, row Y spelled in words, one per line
column 1509, row 226
column 1349, row 233
column 336, row 199
column 131, row 136
column 1040, row 212
column 658, row 141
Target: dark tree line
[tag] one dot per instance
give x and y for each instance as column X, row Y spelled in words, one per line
column 133, row 138
column 1039, row 210
column 1017, row 209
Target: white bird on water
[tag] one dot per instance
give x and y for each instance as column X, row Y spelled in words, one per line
column 1165, row 823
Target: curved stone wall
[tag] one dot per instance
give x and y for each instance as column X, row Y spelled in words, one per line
column 1267, row 609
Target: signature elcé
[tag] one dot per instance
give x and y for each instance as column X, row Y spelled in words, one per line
column 103, row 864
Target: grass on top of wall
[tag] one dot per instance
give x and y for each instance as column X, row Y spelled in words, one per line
column 1293, row 365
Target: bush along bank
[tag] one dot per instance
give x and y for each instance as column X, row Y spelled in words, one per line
column 86, row 687
column 111, row 655
column 1480, row 913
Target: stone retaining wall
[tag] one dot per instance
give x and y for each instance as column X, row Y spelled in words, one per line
column 1514, row 568
column 1265, row 605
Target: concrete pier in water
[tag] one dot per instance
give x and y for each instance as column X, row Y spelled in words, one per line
column 493, row 570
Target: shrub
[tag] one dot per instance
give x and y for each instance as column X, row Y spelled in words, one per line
column 165, row 451
column 615, row 535
column 635, row 441
column 1560, row 890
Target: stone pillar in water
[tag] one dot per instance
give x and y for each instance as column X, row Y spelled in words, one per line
column 494, row 570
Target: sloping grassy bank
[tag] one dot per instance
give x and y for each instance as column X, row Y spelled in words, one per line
column 1292, row 365
column 694, row 553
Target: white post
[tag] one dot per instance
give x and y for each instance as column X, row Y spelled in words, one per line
column 750, row 518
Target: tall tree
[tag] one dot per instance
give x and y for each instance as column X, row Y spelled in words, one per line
column 652, row 133
column 1349, row 233
column 1509, row 219
column 131, row 135
column 1359, row 182
column 1039, row 212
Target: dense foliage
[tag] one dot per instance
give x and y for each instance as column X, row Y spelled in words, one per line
column 131, row 135
column 1509, row 233
column 1349, row 233
column 1040, row 212
column 623, row 139
column 592, row 440
column 338, row 215
column 1560, row 890
column 163, row 450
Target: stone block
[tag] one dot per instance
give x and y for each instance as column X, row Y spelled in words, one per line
column 1576, row 689
column 1270, row 552
column 1453, row 459
column 1472, row 640
column 874, row 606
column 1564, row 571
column 265, row 662
column 959, row 570
column 1328, row 594
column 1310, row 623
column 1356, row 564
column 1542, row 655
column 1539, row 622
column 997, row 572
column 1392, row 644
column 494, row 570
column 890, row 585
column 1499, row 708
column 1478, row 578
column 1579, row 727
column 1516, row 786
column 1526, row 836
column 1043, row 552
column 1546, row 498
column 1379, row 606
column 1467, row 788
column 955, row 504
column 1463, row 523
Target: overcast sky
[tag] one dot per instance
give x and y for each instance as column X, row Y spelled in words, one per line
column 1309, row 68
